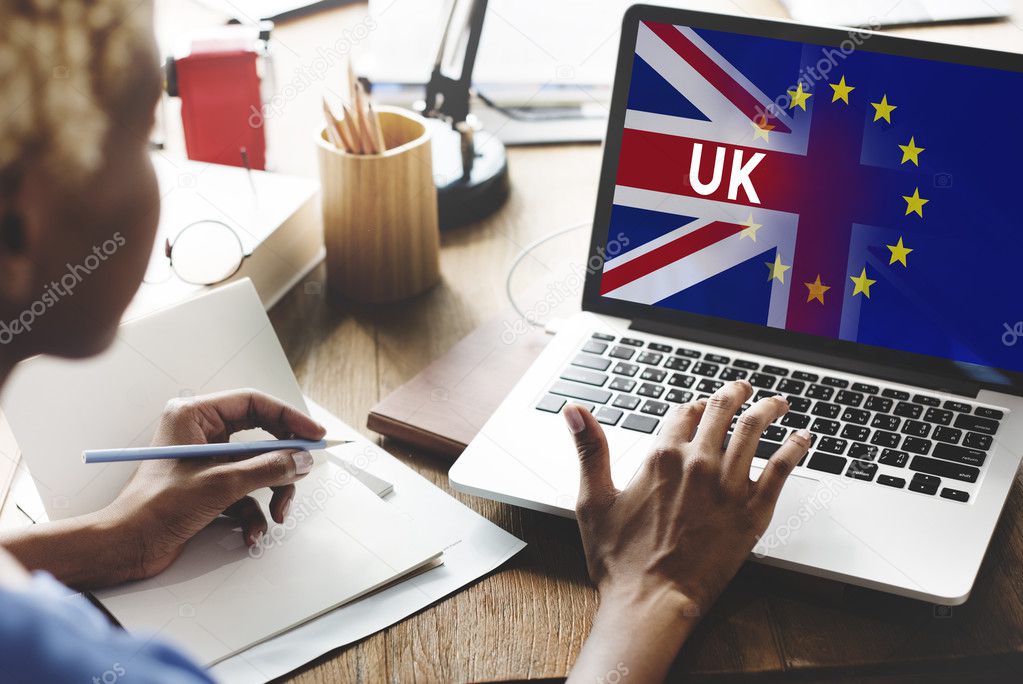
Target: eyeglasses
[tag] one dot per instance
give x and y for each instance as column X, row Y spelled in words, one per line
column 204, row 253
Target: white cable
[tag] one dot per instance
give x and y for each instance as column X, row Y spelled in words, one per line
column 522, row 255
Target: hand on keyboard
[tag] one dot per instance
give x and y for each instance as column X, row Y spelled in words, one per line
column 663, row 549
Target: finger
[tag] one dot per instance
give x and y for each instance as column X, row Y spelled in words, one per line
column 781, row 463
column 717, row 417
column 247, row 409
column 680, row 424
column 749, row 428
column 280, row 502
column 595, row 485
column 273, row 469
column 253, row 523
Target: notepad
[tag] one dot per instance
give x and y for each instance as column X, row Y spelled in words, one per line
column 340, row 542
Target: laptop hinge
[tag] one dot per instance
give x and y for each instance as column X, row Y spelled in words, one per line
column 878, row 371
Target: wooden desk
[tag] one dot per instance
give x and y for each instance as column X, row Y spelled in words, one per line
column 529, row 619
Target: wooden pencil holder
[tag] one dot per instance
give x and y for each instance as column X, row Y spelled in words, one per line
column 380, row 214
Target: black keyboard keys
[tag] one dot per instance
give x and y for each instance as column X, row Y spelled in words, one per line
column 803, row 375
column 677, row 363
column 551, row 404
column 926, row 400
column 849, row 398
column 658, row 347
column 885, row 423
column 823, row 426
column 623, row 353
column 867, row 452
column 827, row 463
column 885, row 439
column 933, row 466
column 985, row 426
column 730, row 374
column 626, row 401
column 592, row 362
column 655, row 408
column 775, row 370
column 915, row 445
column 709, row 386
column 603, row 336
column 795, row 420
column 832, row 445
column 640, row 423
column 762, row 380
column 977, row 441
column 916, row 428
column 947, row 434
column 880, row 404
column 678, row 396
column 925, row 484
column 790, row 386
column 908, row 410
column 820, row 392
column 650, row 358
column 865, row 388
column 716, row 358
column 595, row 347
column 574, row 391
column 861, row 470
column 857, row 433
column 748, row 365
column 706, row 369
column 993, row 414
column 622, row 385
column 959, row 454
column 679, row 380
column 653, row 374
column 856, row 416
column 583, row 375
column 608, row 416
column 939, row 416
column 834, row 382
column 895, row 394
column 894, row 458
column 648, row 389
column 955, row 495
column 826, row 410
column 890, row 481
column 957, row 406
column 632, row 342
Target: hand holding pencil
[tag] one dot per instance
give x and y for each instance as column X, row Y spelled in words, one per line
column 357, row 130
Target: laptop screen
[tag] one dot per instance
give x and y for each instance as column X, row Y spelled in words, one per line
column 833, row 191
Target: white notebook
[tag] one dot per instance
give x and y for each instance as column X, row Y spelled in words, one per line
column 340, row 542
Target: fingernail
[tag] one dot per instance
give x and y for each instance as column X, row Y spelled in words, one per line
column 804, row 433
column 254, row 539
column 574, row 417
column 303, row 462
column 287, row 508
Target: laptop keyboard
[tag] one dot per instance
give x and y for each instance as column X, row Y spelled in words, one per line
column 861, row 430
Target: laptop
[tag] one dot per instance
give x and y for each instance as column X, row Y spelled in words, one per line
column 833, row 217
column 877, row 13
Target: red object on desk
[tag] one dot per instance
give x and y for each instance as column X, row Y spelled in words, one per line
column 221, row 105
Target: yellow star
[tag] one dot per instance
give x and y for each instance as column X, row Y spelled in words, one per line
column 841, row 91
column 862, row 283
column 750, row 230
column 761, row 128
column 883, row 110
column 817, row 290
column 915, row 204
column 911, row 152
column 777, row 269
column 899, row 252
column 799, row 97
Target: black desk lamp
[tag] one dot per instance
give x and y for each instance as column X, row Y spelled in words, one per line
column 470, row 166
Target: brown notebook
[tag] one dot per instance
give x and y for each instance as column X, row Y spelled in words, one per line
column 443, row 407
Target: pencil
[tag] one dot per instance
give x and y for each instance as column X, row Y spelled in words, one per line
column 219, row 449
column 333, row 134
column 351, row 125
column 363, row 114
column 374, row 124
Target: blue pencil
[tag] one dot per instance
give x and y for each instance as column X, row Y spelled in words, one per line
column 217, row 450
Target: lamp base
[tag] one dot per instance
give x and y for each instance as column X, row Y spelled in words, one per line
column 462, row 199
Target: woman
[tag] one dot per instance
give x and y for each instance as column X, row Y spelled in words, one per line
column 81, row 80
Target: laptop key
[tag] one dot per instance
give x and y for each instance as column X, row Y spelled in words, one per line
column 880, row 404
column 655, row 408
column 826, row 410
column 827, row 463
column 632, row 342
column 590, row 361
column 653, row 374
column 730, row 374
column 678, row 396
column 639, row 423
column 658, row 347
column 626, row 401
column 885, row 422
column 959, row 454
column 925, row 484
column 865, row 388
column 648, row 389
column 603, row 336
column 907, row 410
column 775, row 370
column 790, row 386
column 976, row 424
column 626, row 369
column 866, row 452
column 897, row 395
column 861, row 470
column 956, row 406
column 595, row 347
column 832, row 445
column 608, row 416
column 915, row 445
column 762, row 380
column 820, row 392
column 856, row 416
column 894, row 458
column 583, row 404
column 795, row 420
column 855, row 432
column 763, row 394
column 834, row 382
column 650, row 358
column 574, row 391
column 691, row 353
column 622, row 385
column 991, row 413
column 977, row 441
column 926, row 400
column 885, row 439
column 939, row 416
column 955, row 494
column 707, row 369
column 716, row 358
column 933, row 466
column 823, row 426
column 799, row 404
column 891, row 481
column 803, row 375
column 679, row 380
column 622, row 353
column 916, row 428
column 775, row 433
column 709, row 386
column 587, row 377
column 550, row 404
column 748, row 365
column 677, row 363
column 849, row 398
column 947, row 434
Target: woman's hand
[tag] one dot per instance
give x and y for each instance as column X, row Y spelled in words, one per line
column 168, row 501
column 662, row 550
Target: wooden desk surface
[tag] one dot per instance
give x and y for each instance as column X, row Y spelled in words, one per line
column 529, row 619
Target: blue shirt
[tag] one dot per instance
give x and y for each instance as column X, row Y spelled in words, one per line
column 50, row 634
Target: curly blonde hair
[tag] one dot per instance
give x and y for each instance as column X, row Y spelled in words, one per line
column 62, row 68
